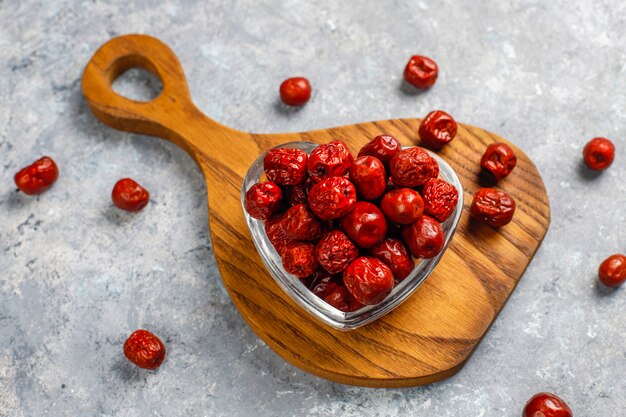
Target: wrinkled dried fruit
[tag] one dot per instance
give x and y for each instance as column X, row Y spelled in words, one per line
column 332, row 159
column 261, row 201
column 367, row 174
column 295, row 91
column 421, row 72
column 440, row 198
column 396, row 256
column 492, row 207
column 332, row 198
column 300, row 224
column 365, row 224
column 299, row 259
column 130, row 196
column 424, row 237
column 322, row 283
column 368, row 280
column 412, row 167
column 285, row 166
column 144, row 349
column 498, row 160
column 276, row 233
column 437, row 130
column 612, row 271
column 342, row 300
column 383, row 147
column 545, row 404
column 335, row 251
column 37, row 177
column 402, row 205
column 599, row 154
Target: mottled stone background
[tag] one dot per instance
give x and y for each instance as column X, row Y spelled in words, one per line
column 77, row 275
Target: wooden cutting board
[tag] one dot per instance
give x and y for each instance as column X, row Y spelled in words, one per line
column 431, row 335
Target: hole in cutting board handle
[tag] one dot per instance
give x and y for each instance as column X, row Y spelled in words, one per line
column 138, row 84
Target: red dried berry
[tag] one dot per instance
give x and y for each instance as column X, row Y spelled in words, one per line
column 295, row 194
column 332, row 198
column 276, row 233
column 299, row 259
column 402, row 205
column 424, row 237
column 383, row 147
column 612, row 271
column 37, row 177
column 368, row 280
column 421, row 72
column 300, row 224
column 367, row 174
column 261, row 201
column 440, row 199
column 437, row 129
column 285, row 166
column 130, row 196
column 396, row 256
column 322, row 283
column 295, row 91
column 498, row 160
column 332, row 159
column 144, row 349
column 341, row 299
column 365, row 224
column 599, row 154
column 545, row 404
column 412, row 167
column 492, row 207
column 335, row 251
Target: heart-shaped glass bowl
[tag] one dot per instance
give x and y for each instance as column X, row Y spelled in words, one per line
column 305, row 297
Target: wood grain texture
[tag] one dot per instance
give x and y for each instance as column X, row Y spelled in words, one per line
column 432, row 334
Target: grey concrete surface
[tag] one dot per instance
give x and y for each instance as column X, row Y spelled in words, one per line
column 77, row 275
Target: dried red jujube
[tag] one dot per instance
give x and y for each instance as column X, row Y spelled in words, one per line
column 424, row 238
column 300, row 224
column 37, row 177
column 383, row 147
column 299, row 259
column 261, row 200
column 412, row 167
column 437, row 129
column 332, row 198
column 368, row 280
column 335, row 251
column 440, row 199
column 332, row 159
column 285, row 166
column 396, row 256
column 492, row 207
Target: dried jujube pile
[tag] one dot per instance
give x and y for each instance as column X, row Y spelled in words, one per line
column 352, row 228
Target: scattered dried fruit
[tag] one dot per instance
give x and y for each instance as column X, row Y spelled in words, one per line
column 612, row 271
column 437, row 129
column 37, row 177
column 498, row 160
column 144, row 349
column 421, row 72
column 599, row 154
column 492, row 207
column 295, row 91
column 130, row 196
column 545, row 404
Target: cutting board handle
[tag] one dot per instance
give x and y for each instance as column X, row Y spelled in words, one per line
column 171, row 115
